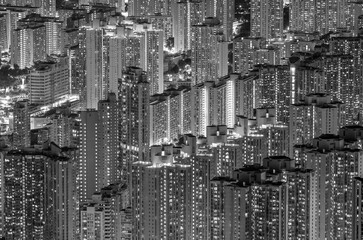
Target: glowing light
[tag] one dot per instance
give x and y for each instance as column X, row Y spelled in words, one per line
column 170, row 51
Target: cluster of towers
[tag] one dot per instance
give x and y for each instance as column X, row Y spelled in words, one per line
column 150, row 120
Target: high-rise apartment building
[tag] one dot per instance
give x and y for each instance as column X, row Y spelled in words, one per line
column 46, row 8
column 139, row 8
column 315, row 116
column 350, row 94
column 159, row 120
column 2, row 201
column 99, row 148
column 320, row 16
column 223, row 152
column 335, row 73
column 267, row 87
column 9, row 22
column 218, row 185
column 75, row 76
column 209, row 51
column 305, row 80
column 181, row 27
column 200, row 205
column 117, row 55
column 277, row 185
column 227, row 100
column 38, row 186
column 261, row 137
column 243, row 219
column 87, row 153
column 152, row 7
column 342, row 84
column 244, row 50
column 355, row 10
column 200, row 163
column 101, row 215
column 21, row 132
column 248, row 52
column 124, row 51
column 64, row 129
column 91, row 54
column 252, row 149
column 225, row 12
column 49, row 82
column 79, row 70
column 134, row 118
column 107, row 143
column 4, row 46
column 357, row 208
column 69, row 39
column 133, row 48
column 200, row 110
column 247, row 103
column 352, row 134
column 303, row 16
column 170, row 115
column 185, row 14
column 53, row 30
column 143, row 90
column 160, row 22
column 301, row 202
column 335, row 167
column 161, row 197
column 276, row 139
column 28, row 46
column 267, row 18
column 207, row 157
column 215, row 103
column 273, row 90
column 152, row 58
